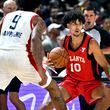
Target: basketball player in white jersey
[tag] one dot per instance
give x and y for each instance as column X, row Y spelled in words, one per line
column 14, row 86
column 21, row 51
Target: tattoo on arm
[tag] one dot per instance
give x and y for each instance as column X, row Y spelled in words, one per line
column 37, row 42
column 41, row 27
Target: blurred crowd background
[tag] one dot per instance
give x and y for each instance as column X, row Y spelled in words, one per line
column 52, row 11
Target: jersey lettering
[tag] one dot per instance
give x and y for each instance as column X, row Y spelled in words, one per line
column 11, row 33
column 77, row 58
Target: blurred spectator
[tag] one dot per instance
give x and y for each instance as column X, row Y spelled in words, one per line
column 60, row 16
column 57, row 4
column 106, row 24
column 45, row 2
column 51, row 41
column 106, row 11
column 71, row 3
column 53, row 14
column 1, row 11
column 9, row 6
column 63, row 31
column 83, row 3
column 1, row 3
column 46, row 16
column 1, row 14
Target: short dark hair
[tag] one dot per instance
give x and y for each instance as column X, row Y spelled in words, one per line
column 90, row 8
column 28, row 5
column 73, row 16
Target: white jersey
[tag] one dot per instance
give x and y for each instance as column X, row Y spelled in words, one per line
column 15, row 56
column 16, row 30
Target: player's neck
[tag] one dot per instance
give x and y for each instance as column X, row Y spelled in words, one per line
column 78, row 36
column 76, row 41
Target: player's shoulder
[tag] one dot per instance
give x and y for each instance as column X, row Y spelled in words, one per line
column 93, row 44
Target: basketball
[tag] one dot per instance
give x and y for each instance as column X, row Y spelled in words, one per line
column 59, row 57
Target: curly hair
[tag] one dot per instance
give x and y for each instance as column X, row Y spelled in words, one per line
column 73, row 16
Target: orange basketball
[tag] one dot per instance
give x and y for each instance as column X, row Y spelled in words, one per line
column 59, row 57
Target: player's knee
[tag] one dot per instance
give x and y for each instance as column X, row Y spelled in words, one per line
column 47, row 106
column 98, row 93
column 54, row 89
column 13, row 98
column 107, row 90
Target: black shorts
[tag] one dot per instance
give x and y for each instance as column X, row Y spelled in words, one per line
column 14, row 86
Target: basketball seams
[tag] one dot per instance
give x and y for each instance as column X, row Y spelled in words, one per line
column 59, row 57
column 62, row 53
column 60, row 62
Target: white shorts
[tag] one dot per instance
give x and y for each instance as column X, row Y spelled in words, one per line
column 17, row 63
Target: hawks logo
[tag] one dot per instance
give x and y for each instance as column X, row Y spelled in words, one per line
column 83, row 49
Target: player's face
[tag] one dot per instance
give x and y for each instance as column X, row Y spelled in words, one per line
column 90, row 18
column 75, row 27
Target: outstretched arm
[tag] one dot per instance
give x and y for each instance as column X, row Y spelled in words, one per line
column 99, row 56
